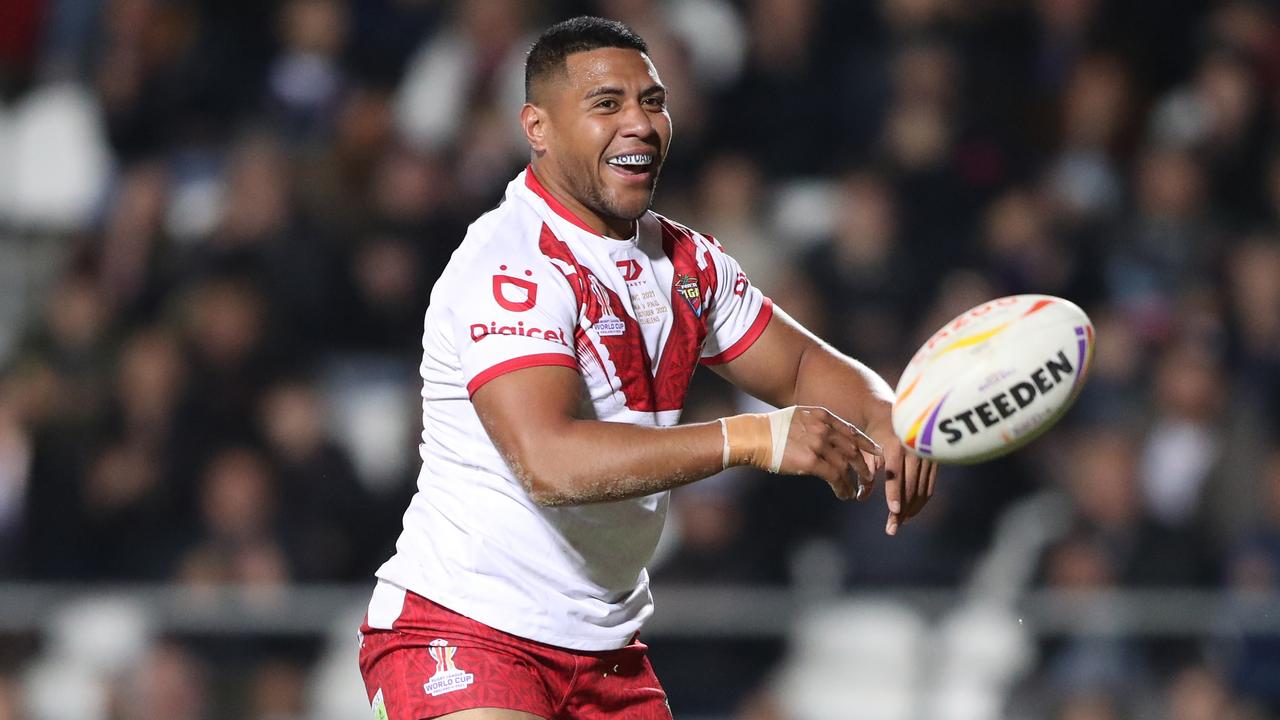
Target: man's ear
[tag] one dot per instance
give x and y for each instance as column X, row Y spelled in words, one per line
column 534, row 121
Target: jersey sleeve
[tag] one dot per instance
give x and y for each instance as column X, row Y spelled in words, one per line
column 510, row 316
column 739, row 311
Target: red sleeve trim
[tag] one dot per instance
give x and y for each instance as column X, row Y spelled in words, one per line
column 519, row 363
column 747, row 340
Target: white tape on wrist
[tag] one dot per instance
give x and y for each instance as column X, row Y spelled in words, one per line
column 724, row 433
column 779, row 429
column 756, row 439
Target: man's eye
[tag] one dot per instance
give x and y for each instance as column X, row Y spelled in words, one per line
column 607, row 104
column 656, row 102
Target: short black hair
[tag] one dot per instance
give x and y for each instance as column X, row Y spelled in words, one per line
column 547, row 54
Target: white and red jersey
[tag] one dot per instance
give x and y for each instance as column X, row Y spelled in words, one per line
column 532, row 285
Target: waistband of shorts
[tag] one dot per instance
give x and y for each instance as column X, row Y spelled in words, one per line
column 421, row 615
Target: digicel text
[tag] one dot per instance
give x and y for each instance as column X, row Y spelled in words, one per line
column 1007, row 403
column 480, row 330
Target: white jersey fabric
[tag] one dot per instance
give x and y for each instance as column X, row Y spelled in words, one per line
column 532, row 285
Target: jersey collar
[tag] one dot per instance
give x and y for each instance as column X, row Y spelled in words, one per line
column 531, row 182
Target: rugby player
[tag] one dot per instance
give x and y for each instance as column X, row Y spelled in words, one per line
column 557, row 351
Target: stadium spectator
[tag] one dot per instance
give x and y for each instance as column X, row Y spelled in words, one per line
column 325, row 512
column 1164, row 247
column 1252, row 291
column 863, row 265
column 306, row 78
column 1185, row 438
column 455, row 88
column 731, row 197
column 170, row 681
column 277, row 691
column 240, row 535
column 1139, row 549
column 1253, row 574
column 783, row 66
column 1198, row 693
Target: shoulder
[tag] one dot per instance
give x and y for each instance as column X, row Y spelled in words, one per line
column 511, row 233
column 506, row 256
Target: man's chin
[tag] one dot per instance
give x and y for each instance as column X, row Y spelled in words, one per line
column 632, row 205
column 631, row 214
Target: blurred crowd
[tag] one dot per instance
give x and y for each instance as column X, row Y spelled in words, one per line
column 220, row 221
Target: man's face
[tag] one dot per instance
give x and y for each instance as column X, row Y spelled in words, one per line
column 607, row 132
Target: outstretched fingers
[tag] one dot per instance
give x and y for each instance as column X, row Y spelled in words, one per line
column 929, row 478
column 821, row 443
column 915, row 480
column 832, row 467
column 896, row 490
column 864, row 456
column 909, row 484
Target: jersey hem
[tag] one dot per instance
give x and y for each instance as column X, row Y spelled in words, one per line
column 555, row 640
column 520, row 363
column 747, row 340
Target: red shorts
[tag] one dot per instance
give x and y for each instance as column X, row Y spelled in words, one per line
column 435, row 661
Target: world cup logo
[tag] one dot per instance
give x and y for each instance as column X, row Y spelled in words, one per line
column 448, row 677
column 443, row 654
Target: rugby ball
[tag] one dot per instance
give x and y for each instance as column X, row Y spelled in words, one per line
column 993, row 379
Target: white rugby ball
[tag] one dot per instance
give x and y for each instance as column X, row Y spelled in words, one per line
column 993, row 379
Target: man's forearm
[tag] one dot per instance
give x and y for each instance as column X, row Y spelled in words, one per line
column 844, row 386
column 587, row 461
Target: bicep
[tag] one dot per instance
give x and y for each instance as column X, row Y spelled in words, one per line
column 769, row 368
column 522, row 410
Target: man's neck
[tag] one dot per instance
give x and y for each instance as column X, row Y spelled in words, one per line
column 615, row 228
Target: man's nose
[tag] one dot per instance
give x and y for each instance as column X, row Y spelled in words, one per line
column 636, row 121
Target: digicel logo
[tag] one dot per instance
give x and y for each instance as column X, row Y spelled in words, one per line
column 524, row 293
column 479, row 331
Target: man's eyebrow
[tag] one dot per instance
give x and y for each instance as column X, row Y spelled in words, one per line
column 615, row 90
column 602, row 90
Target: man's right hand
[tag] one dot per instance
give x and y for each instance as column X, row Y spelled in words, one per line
column 818, row 443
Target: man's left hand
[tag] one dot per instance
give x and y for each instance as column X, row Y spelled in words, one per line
column 908, row 479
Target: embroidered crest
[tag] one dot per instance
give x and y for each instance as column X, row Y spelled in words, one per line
column 688, row 288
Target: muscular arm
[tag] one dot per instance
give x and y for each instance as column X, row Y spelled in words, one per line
column 562, row 460
column 789, row 366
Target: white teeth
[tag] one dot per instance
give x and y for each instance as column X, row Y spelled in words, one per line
column 633, row 159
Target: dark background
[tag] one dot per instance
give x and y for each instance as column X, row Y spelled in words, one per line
column 220, row 222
